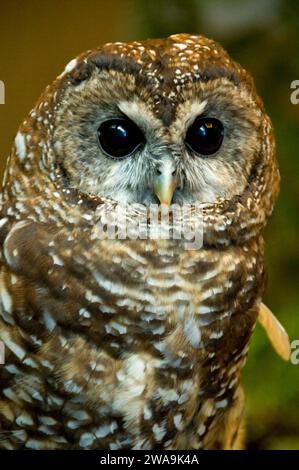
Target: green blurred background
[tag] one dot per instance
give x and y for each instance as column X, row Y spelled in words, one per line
column 38, row 37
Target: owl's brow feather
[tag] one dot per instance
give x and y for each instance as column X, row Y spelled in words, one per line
column 163, row 73
column 105, row 62
column 126, row 65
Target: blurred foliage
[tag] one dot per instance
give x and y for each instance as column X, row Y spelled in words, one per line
column 38, row 37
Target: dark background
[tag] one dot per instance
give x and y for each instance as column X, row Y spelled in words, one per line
column 37, row 39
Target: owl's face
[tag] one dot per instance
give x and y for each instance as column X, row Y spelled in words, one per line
column 157, row 125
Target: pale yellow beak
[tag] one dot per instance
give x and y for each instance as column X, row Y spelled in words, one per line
column 165, row 183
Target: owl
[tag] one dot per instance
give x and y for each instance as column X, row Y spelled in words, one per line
column 134, row 342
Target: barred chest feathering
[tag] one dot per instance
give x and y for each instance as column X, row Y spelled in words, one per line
column 138, row 350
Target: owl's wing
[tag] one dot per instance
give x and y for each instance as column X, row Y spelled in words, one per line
column 51, row 300
column 275, row 332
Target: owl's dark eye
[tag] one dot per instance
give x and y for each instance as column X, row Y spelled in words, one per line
column 119, row 137
column 205, row 135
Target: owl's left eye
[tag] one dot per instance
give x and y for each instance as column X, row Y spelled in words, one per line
column 205, row 135
column 119, row 137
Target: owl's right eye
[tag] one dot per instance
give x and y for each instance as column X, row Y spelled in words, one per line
column 119, row 137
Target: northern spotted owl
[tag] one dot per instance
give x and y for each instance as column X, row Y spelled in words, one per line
column 134, row 343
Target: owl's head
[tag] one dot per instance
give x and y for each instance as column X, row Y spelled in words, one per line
column 173, row 120
column 161, row 121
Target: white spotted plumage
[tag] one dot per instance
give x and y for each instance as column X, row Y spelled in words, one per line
column 123, row 343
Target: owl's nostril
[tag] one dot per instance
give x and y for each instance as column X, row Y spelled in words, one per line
column 173, row 173
column 159, row 172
